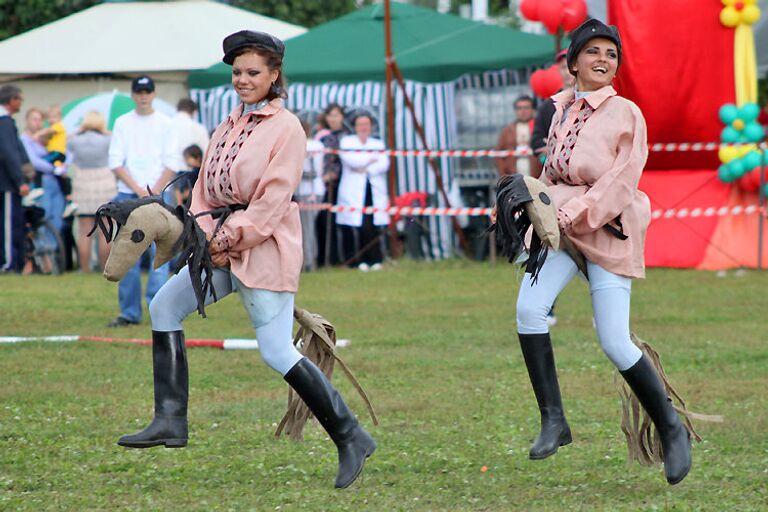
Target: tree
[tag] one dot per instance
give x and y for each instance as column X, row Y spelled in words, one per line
column 307, row 13
column 17, row 16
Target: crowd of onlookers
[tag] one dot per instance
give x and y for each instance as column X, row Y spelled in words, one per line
column 69, row 175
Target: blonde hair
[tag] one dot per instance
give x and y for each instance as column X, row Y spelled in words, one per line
column 93, row 120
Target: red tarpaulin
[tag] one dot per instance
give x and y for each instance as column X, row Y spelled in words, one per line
column 677, row 65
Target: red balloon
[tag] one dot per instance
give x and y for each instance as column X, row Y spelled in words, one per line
column 546, row 82
column 750, row 182
column 551, row 14
column 530, row 9
column 574, row 13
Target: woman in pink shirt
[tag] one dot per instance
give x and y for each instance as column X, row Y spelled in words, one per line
column 595, row 154
column 252, row 167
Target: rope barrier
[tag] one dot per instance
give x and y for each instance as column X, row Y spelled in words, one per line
column 502, row 153
column 486, row 212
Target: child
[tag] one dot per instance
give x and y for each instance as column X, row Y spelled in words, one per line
column 193, row 158
column 57, row 137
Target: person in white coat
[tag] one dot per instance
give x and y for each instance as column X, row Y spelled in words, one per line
column 363, row 183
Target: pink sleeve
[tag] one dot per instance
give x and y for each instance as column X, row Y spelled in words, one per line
column 613, row 192
column 272, row 198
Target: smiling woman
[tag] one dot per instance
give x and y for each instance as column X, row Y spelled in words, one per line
column 250, row 171
column 596, row 151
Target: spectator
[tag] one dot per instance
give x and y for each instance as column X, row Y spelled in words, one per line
column 193, row 160
column 363, row 183
column 517, row 136
column 52, row 200
column 93, row 183
column 327, row 234
column 544, row 116
column 188, row 131
column 12, row 186
column 55, row 136
column 142, row 154
column 311, row 191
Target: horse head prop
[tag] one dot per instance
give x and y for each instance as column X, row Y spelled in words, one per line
column 522, row 202
column 132, row 225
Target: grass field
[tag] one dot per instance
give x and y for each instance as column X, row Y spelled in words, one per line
column 435, row 346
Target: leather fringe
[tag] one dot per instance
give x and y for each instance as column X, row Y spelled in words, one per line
column 643, row 441
column 316, row 339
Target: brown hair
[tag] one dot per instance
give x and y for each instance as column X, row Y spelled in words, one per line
column 274, row 62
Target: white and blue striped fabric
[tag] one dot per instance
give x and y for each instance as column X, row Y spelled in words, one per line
column 435, row 108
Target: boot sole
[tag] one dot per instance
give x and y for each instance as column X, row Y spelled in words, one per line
column 368, row 453
column 168, row 443
column 563, row 442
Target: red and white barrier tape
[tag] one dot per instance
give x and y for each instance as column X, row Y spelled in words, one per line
column 225, row 344
column 485, row 212
column 501, row 153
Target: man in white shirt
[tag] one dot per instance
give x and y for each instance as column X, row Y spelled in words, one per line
column 188, row 131
column 142, row 154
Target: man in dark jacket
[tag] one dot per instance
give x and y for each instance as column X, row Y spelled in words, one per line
column 544, row 116
column 12, row 186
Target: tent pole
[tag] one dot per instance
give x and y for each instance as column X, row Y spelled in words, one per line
column 394, row 246
column 432, row 163
column 761, row 204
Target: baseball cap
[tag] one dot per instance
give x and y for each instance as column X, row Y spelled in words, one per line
column 142, row 83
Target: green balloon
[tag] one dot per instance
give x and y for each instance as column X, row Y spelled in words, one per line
column 753, row 132
column 750, row 160
column 729, row 135
column 736, row 168
column 724, row 173
column 728, row 113
column 749, row 112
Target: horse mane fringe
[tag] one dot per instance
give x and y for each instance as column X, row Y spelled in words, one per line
column 316, row 339
column 643, row 441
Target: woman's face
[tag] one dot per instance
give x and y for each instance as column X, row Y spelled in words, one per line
column 34, row 121
column 363, row 127
column 251, row 77
column 335, row 119
column 596, row 64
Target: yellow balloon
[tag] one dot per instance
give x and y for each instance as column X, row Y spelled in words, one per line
column 738, row 124
column 728, row 2
column 745, row 2
column 730, row 17
column 728, row 153
column 746, row 148
column 750, row 14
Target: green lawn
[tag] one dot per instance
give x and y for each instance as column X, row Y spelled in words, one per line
column 435, row 346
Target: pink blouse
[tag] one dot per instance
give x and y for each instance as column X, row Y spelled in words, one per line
column 257, row 160
column 594, row 161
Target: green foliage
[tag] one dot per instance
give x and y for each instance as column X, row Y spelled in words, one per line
column 434, row 345
column 307, row 13
column 17, row 16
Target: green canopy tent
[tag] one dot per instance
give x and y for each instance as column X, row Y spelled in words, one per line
column 428, row 46
column 439, row 55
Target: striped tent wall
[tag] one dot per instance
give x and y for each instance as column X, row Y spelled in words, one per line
column 435, row 109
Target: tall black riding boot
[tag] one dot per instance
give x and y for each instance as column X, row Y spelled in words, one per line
column 352, row 441
column 675, row 440
column 169, row 364
column 540, row 361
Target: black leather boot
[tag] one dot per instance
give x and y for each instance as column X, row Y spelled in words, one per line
column 675, row 440
column 352, row 441
column 540, row 361
column 169, row 364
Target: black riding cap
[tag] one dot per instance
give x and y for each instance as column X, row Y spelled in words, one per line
column 588, row 30
column 250, row 39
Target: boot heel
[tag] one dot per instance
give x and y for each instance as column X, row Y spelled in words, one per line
column 175, row 443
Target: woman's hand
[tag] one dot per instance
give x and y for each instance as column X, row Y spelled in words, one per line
column 219, row 254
